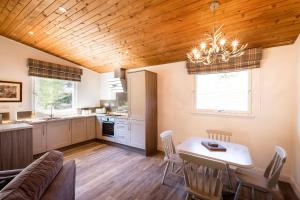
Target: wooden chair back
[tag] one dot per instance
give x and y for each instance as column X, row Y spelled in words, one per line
column 219, row 135
column 274, row 168
column 203, row 177
column 167, row 143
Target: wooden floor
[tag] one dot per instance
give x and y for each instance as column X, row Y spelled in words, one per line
column 112, row 173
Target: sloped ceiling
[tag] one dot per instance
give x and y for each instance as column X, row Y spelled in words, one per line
column 102, row 34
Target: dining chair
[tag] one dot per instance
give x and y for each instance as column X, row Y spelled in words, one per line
column 203, row 177
column 222, row 136
column 219, row 135
column 267, row 182
column 171, row 156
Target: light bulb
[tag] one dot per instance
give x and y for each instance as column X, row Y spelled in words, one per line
column 203, row 45
column 235, row 43
column 195, row 51
column 197, row 56
column 222, row 42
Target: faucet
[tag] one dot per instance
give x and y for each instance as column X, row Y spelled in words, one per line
column 51, row 111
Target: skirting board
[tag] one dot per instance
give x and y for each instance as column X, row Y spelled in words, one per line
column 293, row 184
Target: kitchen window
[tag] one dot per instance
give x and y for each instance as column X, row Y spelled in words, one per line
column 58, row 95
column 224, row 93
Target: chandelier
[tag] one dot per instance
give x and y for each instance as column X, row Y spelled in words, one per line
column 215, row 47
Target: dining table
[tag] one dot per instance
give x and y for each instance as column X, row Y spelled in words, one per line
column 237, row 155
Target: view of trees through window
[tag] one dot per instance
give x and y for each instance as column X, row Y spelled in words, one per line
column 52, row 92
column 223, row 92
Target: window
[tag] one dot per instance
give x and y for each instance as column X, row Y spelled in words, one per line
column 224, row 92
column 58, row 94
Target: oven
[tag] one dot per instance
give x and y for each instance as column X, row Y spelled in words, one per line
column 108, row 126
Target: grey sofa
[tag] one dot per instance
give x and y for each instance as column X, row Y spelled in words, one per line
column 47, row 178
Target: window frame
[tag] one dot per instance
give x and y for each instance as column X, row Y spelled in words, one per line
column 67, row 111
column 248, row 113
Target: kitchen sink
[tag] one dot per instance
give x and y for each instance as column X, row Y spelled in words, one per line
column 51, row 118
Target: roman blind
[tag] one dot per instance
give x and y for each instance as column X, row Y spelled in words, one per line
column 51, row 70
column 250, row 59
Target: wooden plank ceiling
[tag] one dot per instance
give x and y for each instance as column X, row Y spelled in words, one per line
column 102, row 34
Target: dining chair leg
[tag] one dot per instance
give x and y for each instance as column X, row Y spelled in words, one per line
column 179, row 169
column 172, row 167
column 253, row 193
column 236, row 197
column 187, row 197
column 228, row 175
column 270, row 196
column 165, row 172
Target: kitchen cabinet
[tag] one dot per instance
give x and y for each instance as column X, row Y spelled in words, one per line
column 91, row 127
column 142, row 110
column 98, row 127
column 58, row 134
column 39, row 138
column 122, row 131
column 137, row 133
column 137, row 95
column 16, row 147
column 79, row 130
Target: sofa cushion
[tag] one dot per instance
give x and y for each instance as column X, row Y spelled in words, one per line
column 32, row 182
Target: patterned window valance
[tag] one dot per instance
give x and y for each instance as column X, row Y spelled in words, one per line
column 250, row 59
column 51, row 70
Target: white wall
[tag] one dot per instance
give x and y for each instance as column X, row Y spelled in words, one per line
column 105, row 91
column 13, row 67
column 296, row 164
column 274, row 106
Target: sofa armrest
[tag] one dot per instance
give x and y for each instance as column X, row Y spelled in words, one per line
column 63, row 186
column 7, row 173
column 7, row 176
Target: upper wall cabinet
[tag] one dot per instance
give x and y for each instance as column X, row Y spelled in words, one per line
column 142, row 110
column 137, row 95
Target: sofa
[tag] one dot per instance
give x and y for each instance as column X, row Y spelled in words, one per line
column 47, row 178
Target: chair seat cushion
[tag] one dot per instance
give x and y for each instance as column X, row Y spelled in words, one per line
column 252, row 178
column 32, row 182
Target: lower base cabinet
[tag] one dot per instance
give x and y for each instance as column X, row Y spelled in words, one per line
column 122, row 131
column 15, row 149
column 39, row 138
column 137, row 133
column 91, row 128
column 58, row 134
column 78, row 128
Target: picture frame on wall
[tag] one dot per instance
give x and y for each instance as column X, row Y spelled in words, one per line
column 10, row 91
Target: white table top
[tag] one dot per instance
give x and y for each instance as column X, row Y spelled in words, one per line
column 236, row 154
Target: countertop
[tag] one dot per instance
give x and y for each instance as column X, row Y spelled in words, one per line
column 13, row 127
column 58, row 118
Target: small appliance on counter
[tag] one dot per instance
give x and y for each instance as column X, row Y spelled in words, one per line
column 101, row 110
column 86, row 112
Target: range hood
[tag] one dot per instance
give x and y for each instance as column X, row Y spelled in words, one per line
column 118, row 83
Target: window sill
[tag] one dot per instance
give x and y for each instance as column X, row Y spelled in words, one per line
column 223, row 114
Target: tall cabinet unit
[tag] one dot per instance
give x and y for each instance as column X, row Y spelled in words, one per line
column 142, row 111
